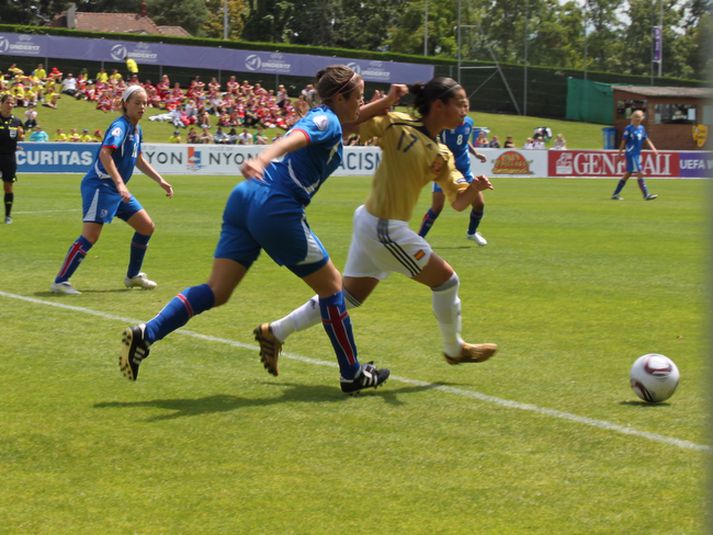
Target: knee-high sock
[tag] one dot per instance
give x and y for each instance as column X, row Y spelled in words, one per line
column 476, row 214
column 9, row 198
column 446, row 308
column 190, row 302
column 76, row 253
column 428, row 220
column 642, row 186
column 139, row 244
column 620, row 186
column 338, row 326
column 304, row 317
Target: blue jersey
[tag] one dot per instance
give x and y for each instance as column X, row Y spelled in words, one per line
column 125, row 139
column 634, row 137
column 303, row 171
column 457, row 141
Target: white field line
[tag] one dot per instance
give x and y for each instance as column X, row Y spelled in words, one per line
column 15, row 212
column 471, row 394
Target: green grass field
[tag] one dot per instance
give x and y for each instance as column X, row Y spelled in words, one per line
column 72, row 113
column 545, row 438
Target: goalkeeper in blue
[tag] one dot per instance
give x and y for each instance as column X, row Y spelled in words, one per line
column 267, row 211
column 633, row 141
column 105, row 195
column 456, row 139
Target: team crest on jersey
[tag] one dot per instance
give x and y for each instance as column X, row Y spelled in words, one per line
column 116, row 131
column 419, row 254
column 321, row 121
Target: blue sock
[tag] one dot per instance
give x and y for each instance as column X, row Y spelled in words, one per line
column 190, row 302
column 620, row 186
column 642, row 186
column 475, row 217
column 139, row 244
column 428, row 220
column 77, row 251
column 336, row 322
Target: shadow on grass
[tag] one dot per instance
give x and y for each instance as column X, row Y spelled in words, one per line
column 291, row 393
column 645, row 404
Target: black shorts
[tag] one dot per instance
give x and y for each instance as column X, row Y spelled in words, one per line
column 8, row 167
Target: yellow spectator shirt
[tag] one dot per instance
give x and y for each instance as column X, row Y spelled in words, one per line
column 410, row 159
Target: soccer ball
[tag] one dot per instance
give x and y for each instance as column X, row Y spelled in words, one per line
column 654, row 377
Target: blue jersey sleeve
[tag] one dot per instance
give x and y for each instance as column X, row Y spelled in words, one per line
column 320, row 127
column 114, row 137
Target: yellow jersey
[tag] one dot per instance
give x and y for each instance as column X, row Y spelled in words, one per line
column 410, row 159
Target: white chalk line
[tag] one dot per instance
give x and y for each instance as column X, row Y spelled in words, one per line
column 24, row 212
column 471, row 394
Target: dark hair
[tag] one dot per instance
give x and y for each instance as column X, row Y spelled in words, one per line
column 5, row 96
column 334, row 80
column 439, row 88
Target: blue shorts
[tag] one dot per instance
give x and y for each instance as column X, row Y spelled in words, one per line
column 633, row 163
column 101, row 202
column 259, row 217
column 437, row 188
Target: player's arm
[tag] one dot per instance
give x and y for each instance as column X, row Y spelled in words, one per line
column 459, row 193
column 475, row 153
column 292, row 141
column 378, row 107
column 622, row 145
column 648, row 140
column 465, row 197
column 146, row 168
column 105, row 157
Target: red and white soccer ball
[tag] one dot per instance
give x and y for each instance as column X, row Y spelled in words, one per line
column 654, row 377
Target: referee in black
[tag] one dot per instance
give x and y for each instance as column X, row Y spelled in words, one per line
column 10, row 133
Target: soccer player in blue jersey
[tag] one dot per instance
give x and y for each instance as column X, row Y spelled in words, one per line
column 633, row 140
column 457, row 140
column 105, row 195
column 267, row 211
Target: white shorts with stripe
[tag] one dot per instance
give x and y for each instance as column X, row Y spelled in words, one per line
column 380, row 246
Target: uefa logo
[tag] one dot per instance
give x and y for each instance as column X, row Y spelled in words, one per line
column 353, row 65
column 253, row 62
column 118, row 52
column 4, row 44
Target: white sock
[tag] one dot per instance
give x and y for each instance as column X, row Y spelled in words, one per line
column 446, row 308
column 305, row 317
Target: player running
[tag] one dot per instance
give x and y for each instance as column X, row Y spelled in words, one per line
column 457, row 140
column 105, row 195
column 633, row 139
column 267, row 211
column 382, row 241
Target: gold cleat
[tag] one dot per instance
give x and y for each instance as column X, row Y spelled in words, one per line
column 472, row 353
column 270, row 347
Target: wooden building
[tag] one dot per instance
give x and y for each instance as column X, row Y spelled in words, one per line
column 677, row 118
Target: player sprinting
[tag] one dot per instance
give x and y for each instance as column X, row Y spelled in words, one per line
column 382, row 241
column 105, row 195
column 457, row 140
column 633, row 139
column 267, row 211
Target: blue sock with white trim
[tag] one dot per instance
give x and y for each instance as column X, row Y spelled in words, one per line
column 139, row 244
column 428, row 220
column 76, row 253
column 642, row 186
column 620, row 186
column 338, row 326
column 190, row 302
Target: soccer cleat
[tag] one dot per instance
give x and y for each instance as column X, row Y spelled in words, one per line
column 477, row 238
column 650, row 197
column 65, row 288
column 368, row 376
column 134, row 349
column 472, row 353
column 140, row 281
column 617, row 197
column 8, row 220
column 270, row 347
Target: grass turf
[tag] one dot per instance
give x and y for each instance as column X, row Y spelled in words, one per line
column 572, row 286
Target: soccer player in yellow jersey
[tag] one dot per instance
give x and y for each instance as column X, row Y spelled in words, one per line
column 382, row 241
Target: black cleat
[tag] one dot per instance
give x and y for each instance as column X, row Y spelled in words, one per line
column 134, row 349
column 367, row 377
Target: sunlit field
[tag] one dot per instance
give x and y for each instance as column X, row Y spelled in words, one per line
column 547, row 437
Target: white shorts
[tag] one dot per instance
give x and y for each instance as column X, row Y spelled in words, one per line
column 380, row 246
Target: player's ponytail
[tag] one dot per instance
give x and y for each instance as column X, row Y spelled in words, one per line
column 336, row 80
column 440, row 88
